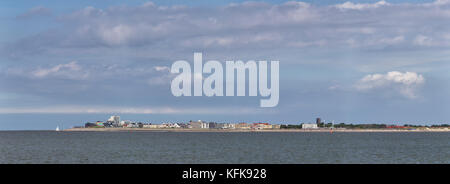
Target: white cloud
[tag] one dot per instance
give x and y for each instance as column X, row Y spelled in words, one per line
column 69, row 70
column 394, row 40
column 438, row 3
column 160, row 80
column 86, row 12
column 221, row 41
column 148, row 4
column 233, row 40
column 161, row 68
column 360, row 6
column 129, row 110
column 117, row 34
column 163, row 79
column 307, row 43
column 422, row 40
column 405, row 83
column 35, row 12
column 242, row 27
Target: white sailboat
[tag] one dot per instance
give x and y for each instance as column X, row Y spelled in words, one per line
column 57, row 128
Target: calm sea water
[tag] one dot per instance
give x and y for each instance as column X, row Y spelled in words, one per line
column 226, row 147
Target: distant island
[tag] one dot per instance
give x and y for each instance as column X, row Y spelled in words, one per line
column 115, row 124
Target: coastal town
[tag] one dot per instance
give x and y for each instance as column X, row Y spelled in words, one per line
column 115, row 123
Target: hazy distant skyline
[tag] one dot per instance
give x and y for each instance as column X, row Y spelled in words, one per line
column 347, row 61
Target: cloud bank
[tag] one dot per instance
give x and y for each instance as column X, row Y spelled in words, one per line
column 119, row 56
column 406, row 83
column 130, row 110
column 241, row 26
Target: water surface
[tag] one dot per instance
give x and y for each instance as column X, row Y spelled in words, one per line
column 223, row 147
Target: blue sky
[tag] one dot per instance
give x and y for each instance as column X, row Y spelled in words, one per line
column 347, row 61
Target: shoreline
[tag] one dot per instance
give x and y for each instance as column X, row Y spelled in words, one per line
column 243, row 130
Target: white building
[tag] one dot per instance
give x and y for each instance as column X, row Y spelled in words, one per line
column 132, row 125
column 154, row 126
column 114, row 119
column 175, row 125
column 229, row 126
column 125, row 122
column 309, row 126
column 205, row 125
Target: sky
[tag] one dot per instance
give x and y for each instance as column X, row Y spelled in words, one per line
column 66, row 63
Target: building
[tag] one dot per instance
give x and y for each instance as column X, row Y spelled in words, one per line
column 99, row 123
column 229, row 126
column 276, row 126
column 243, row 126
column 125, row 122
column 195, row 124
column 108, row 124
column 261, row 126
column 90, row 125
column 175, row 125
column 309, row 126
column 212, row 125
column 154, row 126
column 132, row 125
column 114, row 120
column 220, row 125
column 170, row 125
column 225, row 125
column 318, row 121
column 183, row 125
column 205, row 125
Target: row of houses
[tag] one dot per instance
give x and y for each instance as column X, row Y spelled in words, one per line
column 212, row 125
column 115, row 122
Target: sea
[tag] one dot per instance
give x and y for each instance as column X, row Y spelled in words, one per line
column 51, row 147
